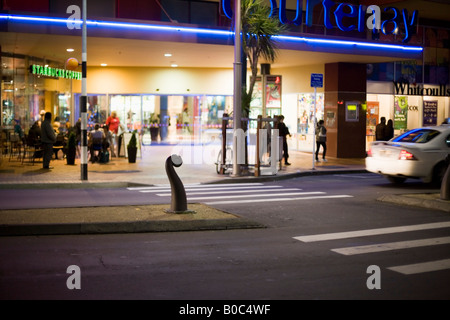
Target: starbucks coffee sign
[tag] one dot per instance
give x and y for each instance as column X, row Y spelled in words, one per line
column 47, row 71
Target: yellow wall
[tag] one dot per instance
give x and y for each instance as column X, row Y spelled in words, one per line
column 133, row 80
column 298, row 79
column 125, row 80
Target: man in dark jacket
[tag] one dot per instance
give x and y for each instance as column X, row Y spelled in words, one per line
column 48, row 138
column 380, row 130
column 284, row 132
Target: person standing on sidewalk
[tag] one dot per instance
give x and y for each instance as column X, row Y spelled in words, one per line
column 321, row 140
column 113, row 122
column 380, row 130
column 48, row 138
column 389, row 130
column 284, row 132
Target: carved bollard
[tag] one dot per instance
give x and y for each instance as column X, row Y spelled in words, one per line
column 179, row 201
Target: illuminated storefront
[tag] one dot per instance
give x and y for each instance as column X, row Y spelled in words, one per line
column 397, row 91
column 188, row 104
column 177, row 118
column 31, row 84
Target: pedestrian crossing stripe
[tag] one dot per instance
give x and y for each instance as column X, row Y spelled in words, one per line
column 391, row 246
column 207, row 192
column 256, row 195
column 226, row 192
column 422, row 267
column 189, row 188
column 380, row 247
column 196, row 185
column 371, row 232
column 280, row 199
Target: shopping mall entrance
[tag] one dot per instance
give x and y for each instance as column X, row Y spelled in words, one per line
column 166, row 118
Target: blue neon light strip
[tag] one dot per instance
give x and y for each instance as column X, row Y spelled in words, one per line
column 346, row 43
column 217, row 32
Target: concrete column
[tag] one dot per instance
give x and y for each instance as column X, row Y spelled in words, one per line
column 346, row 127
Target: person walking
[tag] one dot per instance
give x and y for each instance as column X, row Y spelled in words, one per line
column 113, row 122
column 283, row 131
column 321, row 140
column 48, row 138
column 389, row 130
column 380, row 130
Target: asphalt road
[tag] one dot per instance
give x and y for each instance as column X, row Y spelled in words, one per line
column 280, row 262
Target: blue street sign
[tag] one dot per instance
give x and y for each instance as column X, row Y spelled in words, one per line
column 316, row 80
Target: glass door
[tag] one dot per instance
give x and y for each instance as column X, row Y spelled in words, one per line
column 128, row 108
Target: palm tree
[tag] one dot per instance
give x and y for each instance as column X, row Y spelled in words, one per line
column 258, row 29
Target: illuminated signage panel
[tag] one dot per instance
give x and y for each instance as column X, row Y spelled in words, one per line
column 54, row 72
column 355, row 13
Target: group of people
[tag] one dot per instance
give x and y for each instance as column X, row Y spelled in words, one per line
column 101, row 139
column 49, row 134
column 384, row 131
column 104, row 139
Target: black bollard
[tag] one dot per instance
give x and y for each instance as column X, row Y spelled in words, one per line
column 445, row 185
column 179, row 201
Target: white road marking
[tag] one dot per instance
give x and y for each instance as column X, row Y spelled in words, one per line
column 392, row 246
column 422, row 267
column 197, row 185
column 371, row 232
column 280, row 199
column 225, row 192
column 256, row 195
column 213, row 188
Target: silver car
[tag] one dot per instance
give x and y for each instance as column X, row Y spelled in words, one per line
column 417, row 154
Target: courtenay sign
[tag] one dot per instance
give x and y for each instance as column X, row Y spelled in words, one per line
column 346, row 17
column 54, row 72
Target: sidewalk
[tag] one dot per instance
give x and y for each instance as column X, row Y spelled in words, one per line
column 149, row 169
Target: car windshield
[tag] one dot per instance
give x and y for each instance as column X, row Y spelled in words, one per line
column 418, row 136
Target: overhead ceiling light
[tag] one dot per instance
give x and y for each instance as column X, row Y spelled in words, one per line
column 70, row 50
column 103, row 64
column 174, row 65
column 167, row 54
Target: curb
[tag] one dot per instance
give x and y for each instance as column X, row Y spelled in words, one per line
column 126, row 184
column 417, row 201
column 118, row 219
column 127, row 227
column 70, row 185
column 286, row 176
